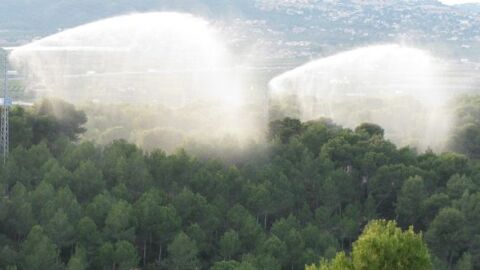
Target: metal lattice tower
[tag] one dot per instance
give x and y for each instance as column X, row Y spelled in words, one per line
column 4, row 129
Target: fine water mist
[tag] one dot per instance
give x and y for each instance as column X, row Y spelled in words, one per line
column 172, row 71
column 400, row 88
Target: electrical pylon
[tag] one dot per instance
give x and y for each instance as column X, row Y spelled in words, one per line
column 4, row 128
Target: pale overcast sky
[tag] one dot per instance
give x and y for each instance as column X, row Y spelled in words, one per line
column 453, row 2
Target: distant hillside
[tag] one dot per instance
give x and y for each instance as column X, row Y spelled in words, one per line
column 47, row 15
column 470, row 7
column 294, row 29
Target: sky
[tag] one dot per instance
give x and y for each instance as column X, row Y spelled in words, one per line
column 454, row 2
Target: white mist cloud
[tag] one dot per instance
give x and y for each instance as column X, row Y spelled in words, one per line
column 171, row 64
column 399, row 88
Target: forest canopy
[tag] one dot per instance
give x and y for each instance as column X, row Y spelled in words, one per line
column 72, row 204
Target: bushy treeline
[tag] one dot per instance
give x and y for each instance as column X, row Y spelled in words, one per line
column 382, row 245
column 75, row 205
column 466, row 131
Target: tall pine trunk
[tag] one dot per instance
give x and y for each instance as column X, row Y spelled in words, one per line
column 265, row 221
column 144, row 252
column 160, row 254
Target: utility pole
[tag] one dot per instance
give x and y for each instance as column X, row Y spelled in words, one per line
column 4, row 128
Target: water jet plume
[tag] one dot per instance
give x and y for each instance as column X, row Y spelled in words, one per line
column 161, row 61
column 400, row 88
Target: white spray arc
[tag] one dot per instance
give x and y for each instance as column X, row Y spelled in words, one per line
column 174, row 60
column 400, row 88
column 177, row 51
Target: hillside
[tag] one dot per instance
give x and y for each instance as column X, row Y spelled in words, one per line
column 295, row 30
column 303, row 196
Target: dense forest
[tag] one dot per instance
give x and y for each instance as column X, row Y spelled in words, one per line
column 303, row 199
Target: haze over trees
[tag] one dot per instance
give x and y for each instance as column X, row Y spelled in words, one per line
column 71, row 204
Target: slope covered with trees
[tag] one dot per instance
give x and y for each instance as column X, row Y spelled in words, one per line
column 68, row 204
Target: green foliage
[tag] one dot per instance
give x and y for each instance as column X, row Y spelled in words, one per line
column 183, row 253
column 303, row 197
column 409, row 203
column 229, row 244
column 370, row 129
column 284, row 129
column 465, row 263
column 382, row 245
column 49, row 120
column 78, row 261
column 87, row 181
column 226, row 265
column 340, row 262
column 446, row 234
column 60, row 230
column 38, row 251
column 106, row 256
column 120, row 222
column 466, row 137
column 57, row 118
column 87, row 234
column 457, row 185
column 125, row 255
